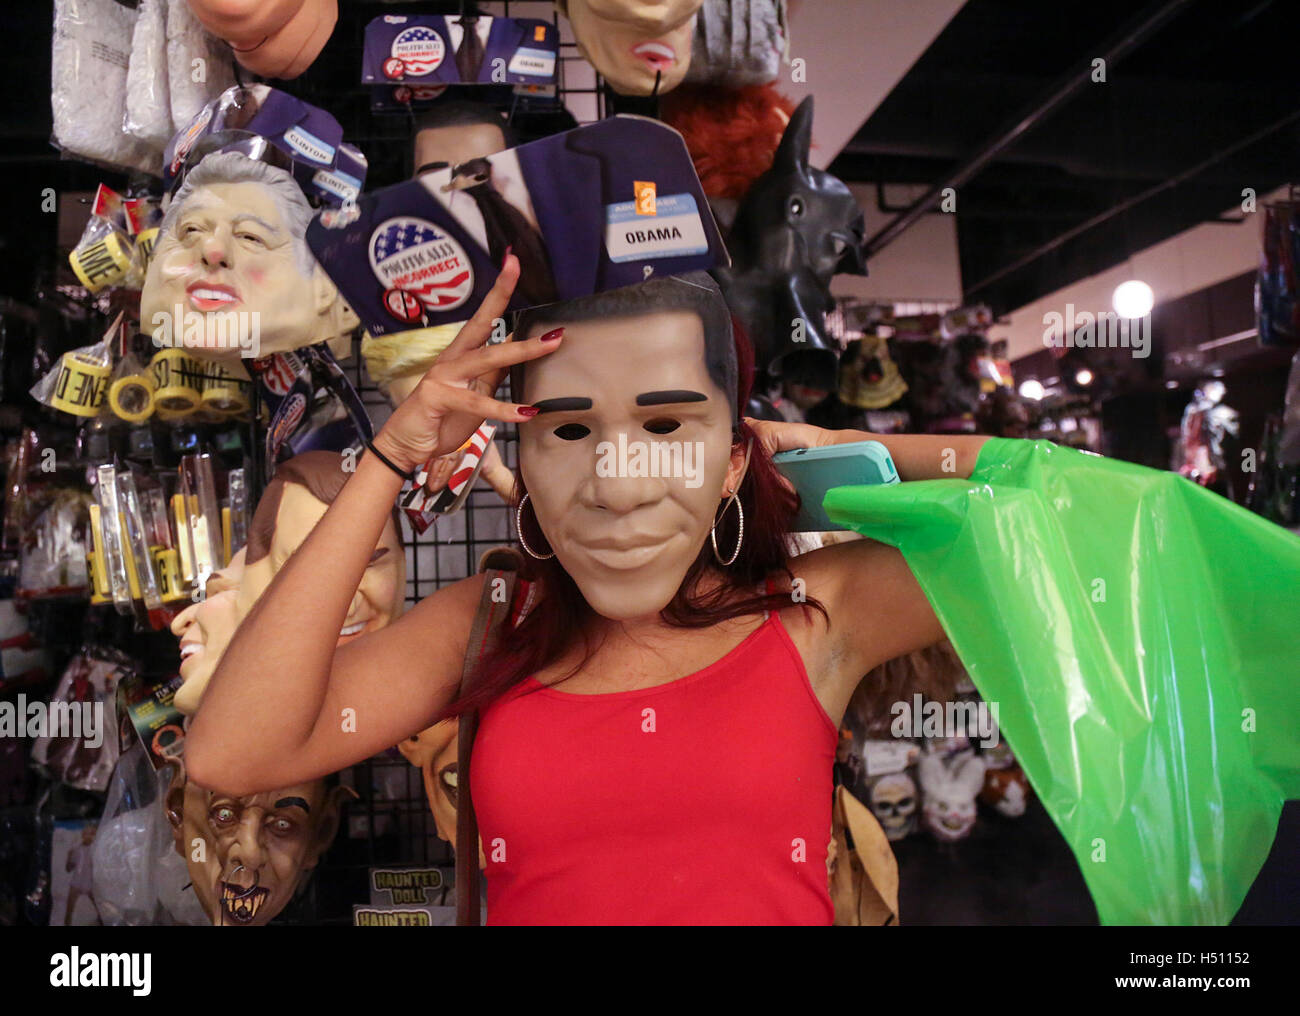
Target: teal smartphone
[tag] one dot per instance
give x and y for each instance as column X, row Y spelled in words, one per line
column 814, row 471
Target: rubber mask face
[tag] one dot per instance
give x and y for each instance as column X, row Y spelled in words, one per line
column 457, row 143
column 231, row 265
column 379, row 598
column 630, row 457
column 253, row 851
column 631, row 42
column 204, row 630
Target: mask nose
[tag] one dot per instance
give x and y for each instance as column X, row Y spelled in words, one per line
column 619, row 479
column 215, row 251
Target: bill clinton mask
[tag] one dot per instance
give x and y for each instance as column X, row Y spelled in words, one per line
column 232, row 256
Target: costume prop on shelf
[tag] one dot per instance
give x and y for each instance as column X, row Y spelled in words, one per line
column 425, row 252
column 91, row 54
column 863, row 876
column 294, row 501
column 248, row 856
column 739, row 43
column 148, row 96
column 640, row 47
column 187, row 41
column 329, row 169
column 434, row 752
column 1277, row 285
column 796, row 228
column 428, row 49
column 1173, row 619
column 950, row 788
column 116, row 245
column 869, row 378
column 269, row 300
column 276, row 39
column 1206, row 424
column 83, row 750
column 732, row 137
column 893, row 799
column 138, row 877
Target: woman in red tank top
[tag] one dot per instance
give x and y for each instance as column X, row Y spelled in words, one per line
column 611, row 790
column 657, row 732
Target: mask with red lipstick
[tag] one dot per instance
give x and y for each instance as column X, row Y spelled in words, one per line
column 232, row 275
column 641, row 47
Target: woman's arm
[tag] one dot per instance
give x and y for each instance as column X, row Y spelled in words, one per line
column 877, row 609
column 916, row 456
column 283, row 705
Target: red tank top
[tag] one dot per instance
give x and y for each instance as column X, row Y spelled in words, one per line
column 706, row 800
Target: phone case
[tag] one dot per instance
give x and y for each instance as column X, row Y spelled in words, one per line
column 814, row 471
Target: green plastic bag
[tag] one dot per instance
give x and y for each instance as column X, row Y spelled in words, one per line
column 1141, row 637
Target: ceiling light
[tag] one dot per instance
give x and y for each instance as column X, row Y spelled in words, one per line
column 1084, row 377
column 1032, row 389
column 1133, row 299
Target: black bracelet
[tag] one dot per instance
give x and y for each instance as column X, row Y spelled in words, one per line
column 408, row 477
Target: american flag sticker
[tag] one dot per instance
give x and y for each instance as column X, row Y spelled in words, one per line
column 423, row 261
column 458, row 486
column 420, row 49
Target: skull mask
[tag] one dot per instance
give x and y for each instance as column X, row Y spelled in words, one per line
column 893, row 802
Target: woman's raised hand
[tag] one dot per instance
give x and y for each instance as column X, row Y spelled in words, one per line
column 455, row 395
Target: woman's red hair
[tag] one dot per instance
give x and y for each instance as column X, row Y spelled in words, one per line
column 561, row 613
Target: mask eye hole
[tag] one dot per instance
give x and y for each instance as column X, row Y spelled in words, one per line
column 571, row 432
column 662, row 425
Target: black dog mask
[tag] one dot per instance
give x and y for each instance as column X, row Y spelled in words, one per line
column 795, row 229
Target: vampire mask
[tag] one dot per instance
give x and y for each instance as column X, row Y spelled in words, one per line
column 796, row 228
column 248, row 856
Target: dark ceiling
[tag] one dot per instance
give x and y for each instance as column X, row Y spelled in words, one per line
column 1215, row 74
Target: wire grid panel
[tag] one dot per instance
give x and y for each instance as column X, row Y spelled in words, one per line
column 390, row 824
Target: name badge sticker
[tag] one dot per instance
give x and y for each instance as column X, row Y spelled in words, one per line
column 532, row 63
column 309, row 146
column 675, row 230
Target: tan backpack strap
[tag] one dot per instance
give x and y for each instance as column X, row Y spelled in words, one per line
column 493, row 614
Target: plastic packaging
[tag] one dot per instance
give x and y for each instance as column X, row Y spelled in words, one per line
column 148, row 107
column 92, row 47
column 1139, row 634
column 199, row 65
column 136, row 868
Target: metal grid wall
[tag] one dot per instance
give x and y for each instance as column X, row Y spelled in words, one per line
column 390, row 824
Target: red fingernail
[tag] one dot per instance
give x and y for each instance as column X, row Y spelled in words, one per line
column 552, row 335
column 506, row 256
column 528, row 412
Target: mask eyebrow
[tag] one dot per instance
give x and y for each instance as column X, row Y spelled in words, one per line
column 670, row 396
column 249, row 217
column 287, row 802
column 562, row 405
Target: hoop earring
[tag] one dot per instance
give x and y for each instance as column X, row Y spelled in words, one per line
column 740, row 538
column 519, row 527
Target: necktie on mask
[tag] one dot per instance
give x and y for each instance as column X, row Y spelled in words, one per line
column 469, row 54
column 507, row 227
